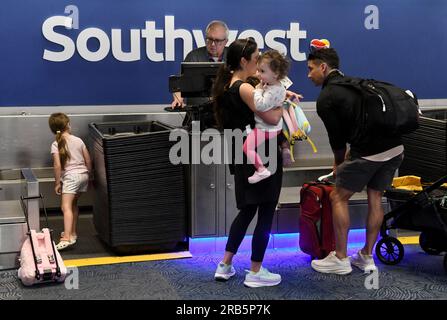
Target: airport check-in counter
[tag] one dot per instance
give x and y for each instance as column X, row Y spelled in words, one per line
column 211, row 188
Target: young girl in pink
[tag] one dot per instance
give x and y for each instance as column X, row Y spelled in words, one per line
column 72, row 166
column 269, row 93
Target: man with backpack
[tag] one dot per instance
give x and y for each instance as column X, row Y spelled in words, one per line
column 371, row 161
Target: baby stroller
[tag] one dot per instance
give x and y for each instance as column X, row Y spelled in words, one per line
column 425, row 211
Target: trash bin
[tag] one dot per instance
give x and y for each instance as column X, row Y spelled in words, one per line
column 140, row 202
column 426, row 148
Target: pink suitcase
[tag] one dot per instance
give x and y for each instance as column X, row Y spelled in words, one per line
column 40, row 262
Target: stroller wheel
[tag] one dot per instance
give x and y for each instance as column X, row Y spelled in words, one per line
column 389, row 250
column 428, row 244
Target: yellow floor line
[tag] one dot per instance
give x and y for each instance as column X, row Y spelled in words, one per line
column 409, row 240
column 113, row 260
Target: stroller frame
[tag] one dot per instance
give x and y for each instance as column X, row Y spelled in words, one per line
column 432, row 240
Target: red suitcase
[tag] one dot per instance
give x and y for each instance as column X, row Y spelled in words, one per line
column 316, row 230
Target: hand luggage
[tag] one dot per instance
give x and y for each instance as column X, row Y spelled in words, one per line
column 296, row 127
column 40, row 262
column 315, row 223
column 385, row 108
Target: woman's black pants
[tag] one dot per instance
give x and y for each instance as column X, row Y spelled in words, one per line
column 261, row 234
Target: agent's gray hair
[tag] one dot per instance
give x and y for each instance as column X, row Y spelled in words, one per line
column 214, row 23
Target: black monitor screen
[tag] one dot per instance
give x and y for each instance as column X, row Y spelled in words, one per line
column 196, row 79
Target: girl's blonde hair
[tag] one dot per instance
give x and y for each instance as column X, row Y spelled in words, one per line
column 58, row 123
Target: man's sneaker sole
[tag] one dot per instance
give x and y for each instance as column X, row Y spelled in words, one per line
column 339, row 272
column 366, row 269
column 223, row 276
column 258, row 284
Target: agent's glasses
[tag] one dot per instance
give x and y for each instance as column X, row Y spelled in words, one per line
column 217, row 42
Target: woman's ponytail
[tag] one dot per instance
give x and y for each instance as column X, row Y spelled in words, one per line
column 221, row 84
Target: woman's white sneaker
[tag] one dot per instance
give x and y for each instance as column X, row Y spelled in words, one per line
column 363, row 261
column 224, row 272
column 262, row 278
column 332, row 264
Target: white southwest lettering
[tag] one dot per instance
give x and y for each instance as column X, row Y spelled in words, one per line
column 104, row 44
column 150, row 33
column 64, row 41
column 117, row 51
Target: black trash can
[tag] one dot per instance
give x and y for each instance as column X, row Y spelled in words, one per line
column 140, row 202
column 426, row 148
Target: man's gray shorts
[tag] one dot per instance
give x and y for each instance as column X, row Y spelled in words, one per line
column 355, row 174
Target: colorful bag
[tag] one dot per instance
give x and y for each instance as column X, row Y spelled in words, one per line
column 296, row 127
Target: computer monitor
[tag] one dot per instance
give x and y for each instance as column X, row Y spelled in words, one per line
column 196, row 79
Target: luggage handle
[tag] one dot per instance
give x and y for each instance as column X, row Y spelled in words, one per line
column 25, row 208
column 316, row 183
column 324, row 182
column 325, row 178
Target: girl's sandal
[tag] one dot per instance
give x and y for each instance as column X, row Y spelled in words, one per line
column 72, row 238
column 63, row 244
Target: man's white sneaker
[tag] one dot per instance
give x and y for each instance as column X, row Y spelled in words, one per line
column 262, row 278
column 332, row 264
column 224, row 272
column 363, row 261
column 259, row 175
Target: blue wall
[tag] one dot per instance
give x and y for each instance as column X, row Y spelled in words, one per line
column 408, row 49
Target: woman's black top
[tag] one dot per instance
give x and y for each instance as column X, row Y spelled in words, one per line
column 237, row 115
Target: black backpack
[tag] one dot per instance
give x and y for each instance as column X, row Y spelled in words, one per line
column 386, row 109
